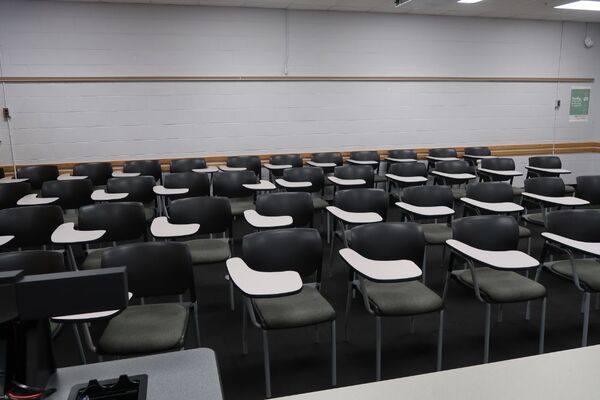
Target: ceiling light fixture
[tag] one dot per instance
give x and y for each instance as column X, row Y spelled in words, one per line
column 581, row 5
column 399, row 3
column 469, row 1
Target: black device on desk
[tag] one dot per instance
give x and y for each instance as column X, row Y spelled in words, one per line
column 123, row 388
column 27, row 303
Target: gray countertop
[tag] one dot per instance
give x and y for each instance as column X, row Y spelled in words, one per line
column 190, row 374
column 570, row 374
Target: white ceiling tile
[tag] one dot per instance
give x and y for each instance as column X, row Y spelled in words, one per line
column 529, row 9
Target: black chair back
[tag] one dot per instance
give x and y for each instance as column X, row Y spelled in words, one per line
column 153, row 268
column 297, row 249
column 588, row 188
column 356, row 172
column 582, row 225
column 121, row 220
column 138, row 187
column 230, row 184
column 330, row 157
column 362, row 200
column 403, row 154
column 545, row 186
column 10, row 193
column 144, row 167
column 251, row 163
column 543, row 162
column 33, row 262
column 97, row 172
column 212, row 213
column 298, row 205
column 38, row 174
column 295, row 160
column 409, row 169
column 490, row 192
column 498, row 164
column 487, row 232
column 186, row 165
column 454, row 167
column 31, row 226
column 314, row 175
column 478, row 151
column 197, row 183
column 389, row 241
column 443, row 153
column 71, row 194
column 428, row 196
column 367, row 155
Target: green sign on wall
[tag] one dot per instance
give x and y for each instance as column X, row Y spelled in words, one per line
column 580, row 104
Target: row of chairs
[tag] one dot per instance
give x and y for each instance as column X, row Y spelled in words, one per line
column 352, row 202
column 100, row 172
column 384, row 259
column 277, row 198
column 72, row 194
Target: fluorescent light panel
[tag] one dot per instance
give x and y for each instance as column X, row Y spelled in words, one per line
column 469, row 1
column 581, row 5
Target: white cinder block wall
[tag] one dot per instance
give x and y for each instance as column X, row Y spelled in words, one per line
column 60, row 122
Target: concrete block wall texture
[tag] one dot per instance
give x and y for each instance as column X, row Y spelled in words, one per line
column 62, row 122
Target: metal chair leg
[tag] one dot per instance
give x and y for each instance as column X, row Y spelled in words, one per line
column 440, row 342
column 446, row 284
column 488, row 328
column 79, row 343
column 333, row 354
column 347, row 313
column 377, row 348
column 412, row 324
column 71, row 258
column 424, row 266
column 542, row 326
column 586, row 319
column 196, row 323
column 597, row 301
column 536, row 278
column 231, row 295
column 267, row 365
column 328, row 228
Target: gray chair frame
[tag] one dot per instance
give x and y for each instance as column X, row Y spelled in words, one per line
column 488, row 305
column 304, row 270
column 572, row 219
column 191, row 306
column 357, row 282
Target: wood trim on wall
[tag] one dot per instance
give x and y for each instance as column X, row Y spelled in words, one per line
column 288, row 78
column 498, row 150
